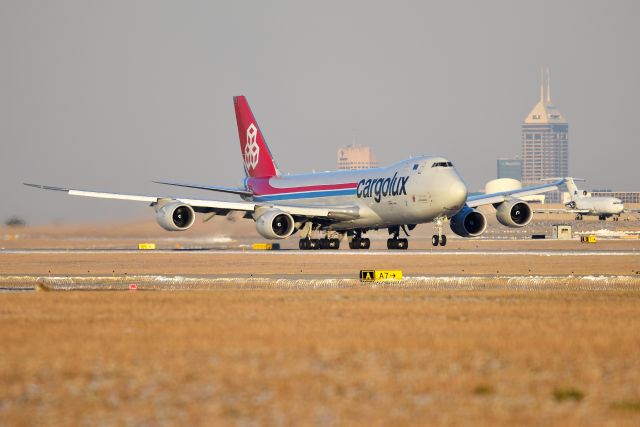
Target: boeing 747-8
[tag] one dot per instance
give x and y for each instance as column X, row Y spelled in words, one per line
column 336, row 204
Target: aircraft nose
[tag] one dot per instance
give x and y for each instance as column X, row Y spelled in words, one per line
column 457, row 193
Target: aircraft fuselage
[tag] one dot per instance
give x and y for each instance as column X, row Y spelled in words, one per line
column 413, row 191
column 603, row 206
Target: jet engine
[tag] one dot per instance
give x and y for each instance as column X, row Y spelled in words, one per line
column 175, row 216
column 275, row 224
column 514, row 213
column 468, row 223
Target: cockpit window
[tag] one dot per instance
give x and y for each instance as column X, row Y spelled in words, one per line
column 442, row 165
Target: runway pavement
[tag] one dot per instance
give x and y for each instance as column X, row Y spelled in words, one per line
column 293, row 252
column 291, row 263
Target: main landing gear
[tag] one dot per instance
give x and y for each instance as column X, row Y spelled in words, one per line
column 439, row 239
column 395, row 242
column 359, row 242
column 329, row 241
column 324, row 243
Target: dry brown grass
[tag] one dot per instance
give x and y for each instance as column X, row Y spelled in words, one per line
column 330, row 357
column 310, row 263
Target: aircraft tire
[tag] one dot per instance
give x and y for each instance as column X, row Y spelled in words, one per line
column 365, row 243
column 303, row 244
column 435, row 240
column 443, row 240
column 334, row 243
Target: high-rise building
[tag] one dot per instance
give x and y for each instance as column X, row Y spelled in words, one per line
column 545, row 142
column 356, row 157
column 510, row 168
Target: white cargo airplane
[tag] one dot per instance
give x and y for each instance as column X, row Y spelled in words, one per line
column 581, row 203
column 334, row 204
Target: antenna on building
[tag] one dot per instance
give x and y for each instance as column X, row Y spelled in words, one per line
column 541, row 84
column 548, row 85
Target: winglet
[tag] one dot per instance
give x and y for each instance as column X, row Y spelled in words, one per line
column 45, row 187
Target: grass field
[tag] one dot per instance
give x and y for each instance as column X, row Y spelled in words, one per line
column 321, row 357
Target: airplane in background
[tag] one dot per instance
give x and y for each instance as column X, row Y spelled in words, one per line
column 342, row 203
column 581, row 203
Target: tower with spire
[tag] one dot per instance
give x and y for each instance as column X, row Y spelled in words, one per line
column 545, row 141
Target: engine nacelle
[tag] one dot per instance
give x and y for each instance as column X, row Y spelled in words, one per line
column 275, row 224
column 514, row 213
column 468, row 223
column 175, row 216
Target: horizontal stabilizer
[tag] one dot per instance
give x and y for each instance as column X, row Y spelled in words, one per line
column 238, row 191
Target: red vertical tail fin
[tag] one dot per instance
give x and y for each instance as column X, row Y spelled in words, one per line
column 257, row 159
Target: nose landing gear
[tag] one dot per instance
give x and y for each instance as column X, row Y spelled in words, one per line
column 439, row 239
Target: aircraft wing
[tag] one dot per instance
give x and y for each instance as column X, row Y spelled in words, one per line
column 238, row 191
column 560, row 210
column 487, row 199
column 330, row 213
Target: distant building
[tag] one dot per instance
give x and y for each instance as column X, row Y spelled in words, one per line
column 545, row 143
column 356, row 157
column 510, row 168
column 624, row 196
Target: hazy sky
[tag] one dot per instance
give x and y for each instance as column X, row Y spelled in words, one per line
column 112, row 94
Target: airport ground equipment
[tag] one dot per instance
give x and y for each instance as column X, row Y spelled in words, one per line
column 265, row 246
column 561, row 231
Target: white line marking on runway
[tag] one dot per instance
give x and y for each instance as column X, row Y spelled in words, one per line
column 328, row 253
